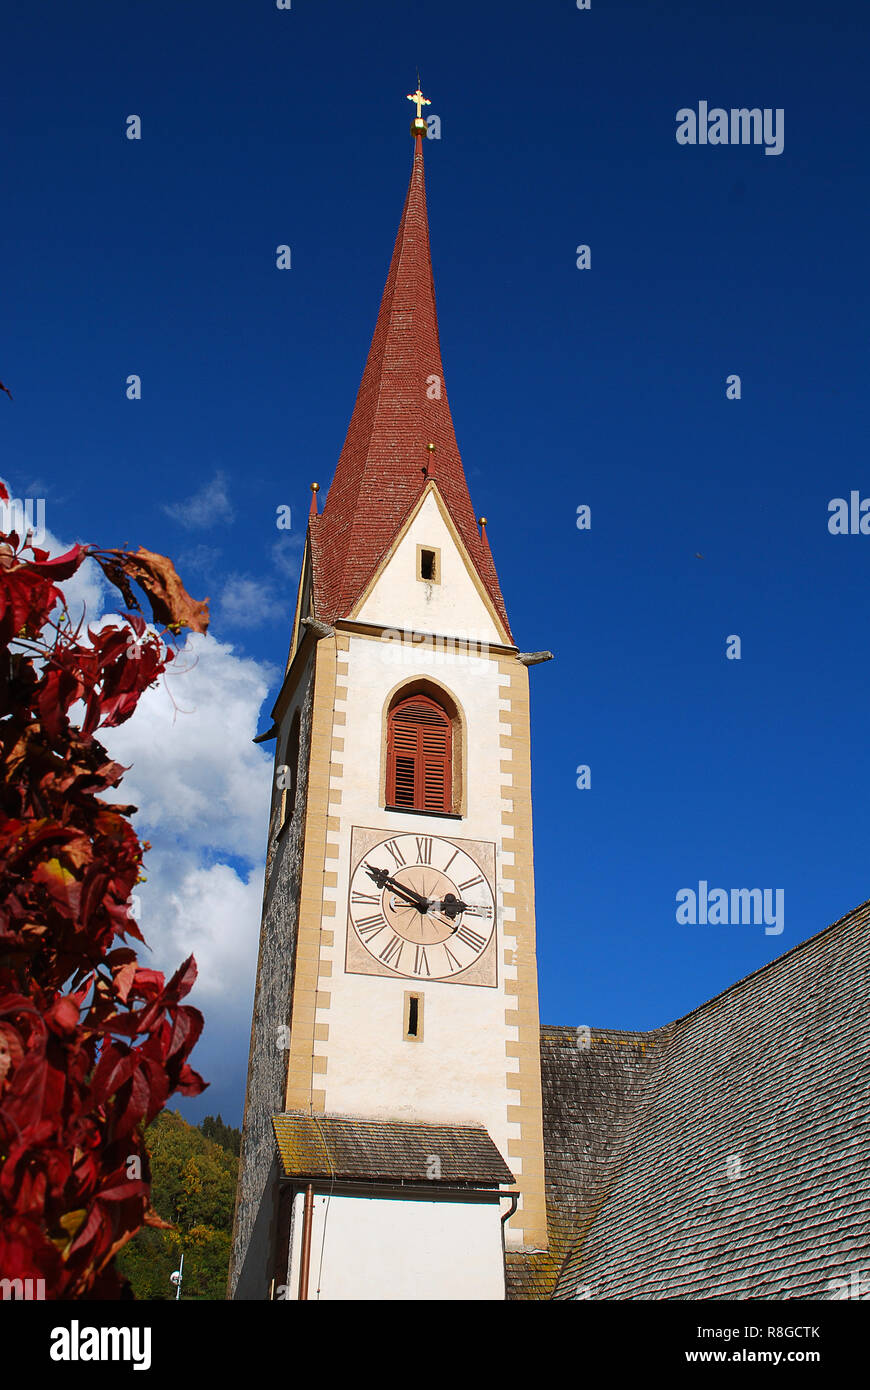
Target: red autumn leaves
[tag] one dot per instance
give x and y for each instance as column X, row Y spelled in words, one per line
column 92, row 1045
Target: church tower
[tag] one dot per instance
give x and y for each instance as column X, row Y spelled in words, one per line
column 393, row 1144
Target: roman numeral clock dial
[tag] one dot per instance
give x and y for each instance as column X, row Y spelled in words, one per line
column 421, row 907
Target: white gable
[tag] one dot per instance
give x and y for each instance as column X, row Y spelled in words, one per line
column 453, row 605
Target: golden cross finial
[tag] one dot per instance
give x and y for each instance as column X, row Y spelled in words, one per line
column 419, row 98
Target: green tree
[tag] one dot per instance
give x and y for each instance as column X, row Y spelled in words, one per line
column 193, row 1186
column 228, row 1138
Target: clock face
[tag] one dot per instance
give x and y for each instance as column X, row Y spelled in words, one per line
column 421, row 907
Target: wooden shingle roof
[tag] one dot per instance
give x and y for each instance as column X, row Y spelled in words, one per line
column 350, row 1149
column 725, row 1156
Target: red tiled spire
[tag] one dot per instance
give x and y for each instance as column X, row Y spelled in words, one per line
column 401, row 409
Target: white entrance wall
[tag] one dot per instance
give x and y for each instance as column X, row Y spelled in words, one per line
column 384, row 1248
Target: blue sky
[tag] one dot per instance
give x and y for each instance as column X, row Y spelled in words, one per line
column 604, row 387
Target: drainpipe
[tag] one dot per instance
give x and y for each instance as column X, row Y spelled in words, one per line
column 515, row 1200
column 306, row 1242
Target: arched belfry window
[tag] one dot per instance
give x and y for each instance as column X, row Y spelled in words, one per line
column 420, row 756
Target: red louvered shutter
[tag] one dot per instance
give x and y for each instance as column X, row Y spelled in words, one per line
column 419, row 745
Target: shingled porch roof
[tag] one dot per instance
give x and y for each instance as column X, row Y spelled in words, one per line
column 356, row 1150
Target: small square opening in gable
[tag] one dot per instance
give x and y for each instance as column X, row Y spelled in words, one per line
column 428, row 564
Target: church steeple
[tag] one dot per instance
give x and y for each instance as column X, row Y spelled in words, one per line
column 395, row 1041
column 401, row 432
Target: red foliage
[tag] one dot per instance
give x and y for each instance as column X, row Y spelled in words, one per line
column 91, row 1044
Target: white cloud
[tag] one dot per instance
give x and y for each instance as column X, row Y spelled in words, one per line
column 87, row 591
column 195, row 774
column 203, row 791
column 201, row 558
column 287, row 555
column 246, row 602
column 213, row 913
column 207, row 507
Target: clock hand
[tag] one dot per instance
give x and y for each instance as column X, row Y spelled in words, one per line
column 411, row 899
column 381, row 878
column 451, row 907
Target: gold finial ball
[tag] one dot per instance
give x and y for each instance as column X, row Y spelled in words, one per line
column 431, row 448
column 481, row 521
column 315, row 487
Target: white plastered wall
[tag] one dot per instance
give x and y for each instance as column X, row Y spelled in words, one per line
column 457, row 1073
column 390, row 1249
column 453, row 606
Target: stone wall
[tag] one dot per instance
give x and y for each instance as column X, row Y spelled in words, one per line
column 255, row 1226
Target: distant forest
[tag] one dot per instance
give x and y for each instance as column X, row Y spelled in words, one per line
column 194, row 1171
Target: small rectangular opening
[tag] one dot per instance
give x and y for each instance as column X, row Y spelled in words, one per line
column 429, row 564
column 413, row 1021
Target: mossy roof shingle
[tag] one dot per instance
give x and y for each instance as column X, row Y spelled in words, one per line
column 350, row 1149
